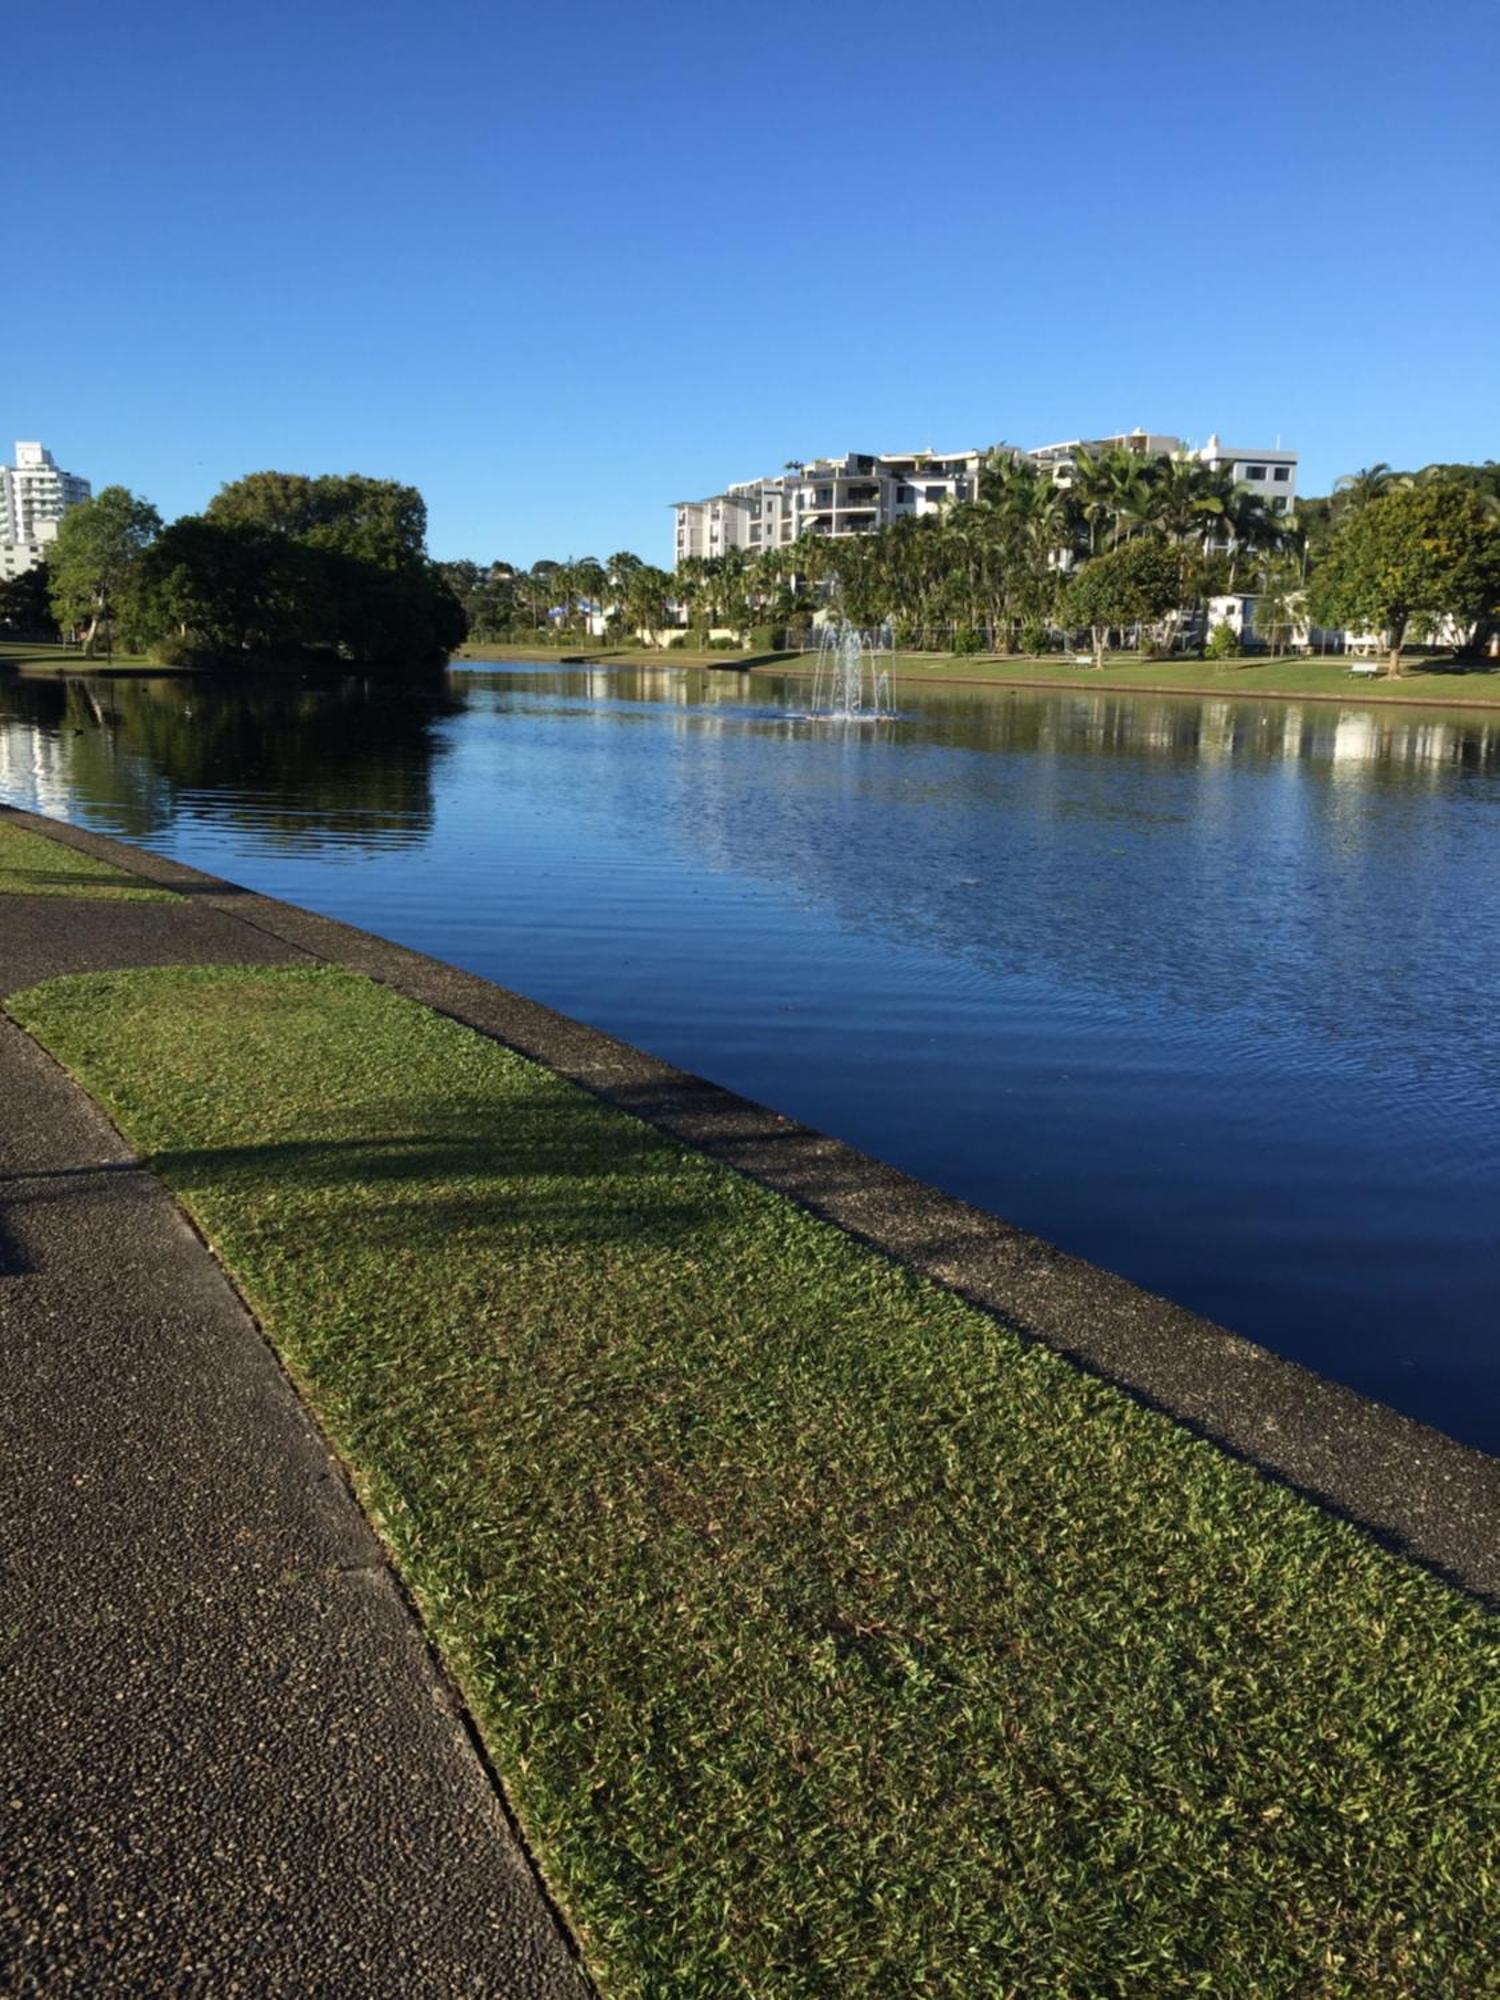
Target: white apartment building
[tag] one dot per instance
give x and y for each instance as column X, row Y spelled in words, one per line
column 862, row 491
column 852, row 495
column 1270, row 472
column 34, row 495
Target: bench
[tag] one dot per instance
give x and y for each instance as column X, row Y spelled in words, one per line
column 1364, row 670
column 1083, row 659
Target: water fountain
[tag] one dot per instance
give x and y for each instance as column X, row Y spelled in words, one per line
column 849, row 683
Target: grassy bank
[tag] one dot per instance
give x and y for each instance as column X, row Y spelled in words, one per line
column 42, row 656
column 830, row 1640
column 1291, row 679
column 33, row 866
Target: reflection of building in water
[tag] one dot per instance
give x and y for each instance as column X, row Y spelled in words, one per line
column 33, row 769
column 1356, row 738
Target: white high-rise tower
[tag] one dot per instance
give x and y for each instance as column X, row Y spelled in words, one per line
column 34, row 495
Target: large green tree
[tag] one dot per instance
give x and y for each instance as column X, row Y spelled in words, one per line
column 94, row 565
column 1422, row 551
column 1138, row 583
column 26, row 604
column 372, row 520
column 367, row 591
column 222, row 588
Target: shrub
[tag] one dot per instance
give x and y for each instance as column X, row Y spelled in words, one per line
column 968, row 641
column 1033, row 636
column 174, row 650
column 766, row 638
column 1222, row 644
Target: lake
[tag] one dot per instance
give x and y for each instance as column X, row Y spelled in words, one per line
column 1205, row 991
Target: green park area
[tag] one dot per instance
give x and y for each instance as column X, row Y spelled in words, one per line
column 33, row 866
column 829, row 1638
column 49, row 656
column 1440, row 681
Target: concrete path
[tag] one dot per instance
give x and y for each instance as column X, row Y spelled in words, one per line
column 230, row 1764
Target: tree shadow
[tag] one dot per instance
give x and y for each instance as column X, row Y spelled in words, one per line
column 103, row 1180
column 532, row 1165
column 36, row 882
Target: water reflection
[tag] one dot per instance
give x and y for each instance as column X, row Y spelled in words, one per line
column 1200, row 989
column 340, row 763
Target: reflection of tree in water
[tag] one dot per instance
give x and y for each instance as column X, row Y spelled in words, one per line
column 345, row 761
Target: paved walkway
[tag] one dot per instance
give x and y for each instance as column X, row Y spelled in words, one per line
column 230, row 1763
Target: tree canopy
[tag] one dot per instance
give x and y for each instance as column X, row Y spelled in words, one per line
column 94, row 565
column 281, row 563
column 1137, row 583
column 1420, row 550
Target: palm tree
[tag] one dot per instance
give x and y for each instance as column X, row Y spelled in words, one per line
column 646, row 594
column 1092, row 491
column 1254, row 529
column 1129, row 480
column 1358, row 489
column 1280, row 606
column 586, row 584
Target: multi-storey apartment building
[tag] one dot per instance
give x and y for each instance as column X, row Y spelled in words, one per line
column 1271, row 472
column 34, row 495
column 862, row 491
column 852, row 495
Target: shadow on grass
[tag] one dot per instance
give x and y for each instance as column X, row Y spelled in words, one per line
column 32, row 881
column 532, row 1166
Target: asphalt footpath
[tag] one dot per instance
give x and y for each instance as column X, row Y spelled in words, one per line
column 231, row 1764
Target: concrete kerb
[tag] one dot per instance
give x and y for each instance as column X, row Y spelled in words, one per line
column 1419, row 1492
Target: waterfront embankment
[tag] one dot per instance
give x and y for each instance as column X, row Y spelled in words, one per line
column 800, row 1537
column 1251, row 678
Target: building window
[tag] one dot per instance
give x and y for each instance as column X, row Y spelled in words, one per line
column 906, row 494
column 1255, row 472
column 934, row 492
column 1283, row 473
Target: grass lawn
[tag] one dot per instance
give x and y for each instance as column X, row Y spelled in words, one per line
column 33, row 866
column 46, row 656
column 830, row 1640
column 1250, row 675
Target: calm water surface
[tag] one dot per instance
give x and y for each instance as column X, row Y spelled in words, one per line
column 1203, row 991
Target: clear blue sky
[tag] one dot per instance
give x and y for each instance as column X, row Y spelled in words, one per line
column 561, row 264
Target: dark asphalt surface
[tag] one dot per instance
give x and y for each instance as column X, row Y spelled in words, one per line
column 231, row 1765
column 239, row 1769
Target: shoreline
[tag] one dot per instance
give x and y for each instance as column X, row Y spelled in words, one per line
column 1414, row 1488
column 30, row 663
column 1069, row 680
column 1083, row 682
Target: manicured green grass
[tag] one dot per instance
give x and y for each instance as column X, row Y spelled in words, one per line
column 31, row 865
column 831, row 1641
column 1252, row 675
column 45, row 656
